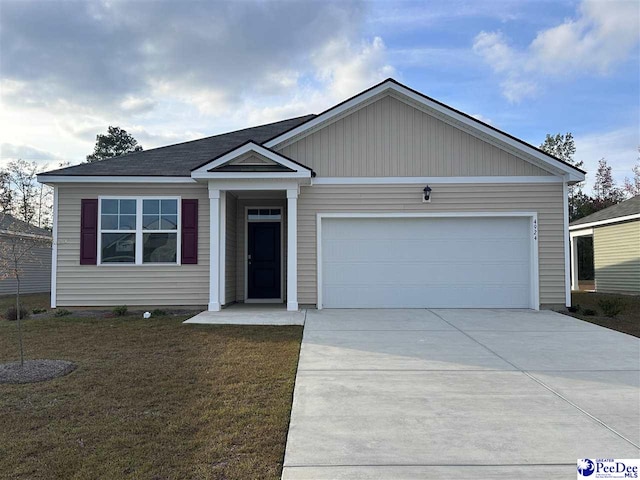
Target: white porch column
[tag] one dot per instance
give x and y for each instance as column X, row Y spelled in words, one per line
column 223, row 247
column 574, row 263
column 214, row 250
column 292, row 250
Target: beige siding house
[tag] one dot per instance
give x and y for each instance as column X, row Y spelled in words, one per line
column 387, row 200
column 610, row 241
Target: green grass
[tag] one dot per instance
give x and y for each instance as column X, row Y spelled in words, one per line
column 150, row 399
column 626, row 322
column 30, row 301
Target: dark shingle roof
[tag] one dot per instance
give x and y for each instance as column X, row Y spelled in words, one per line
column 623, row 209
column 178, row 160
column 12, row 224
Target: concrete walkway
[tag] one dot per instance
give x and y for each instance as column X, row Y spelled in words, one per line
column 489, row 394
column 250, row 314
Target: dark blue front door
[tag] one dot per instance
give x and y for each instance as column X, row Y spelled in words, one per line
column 264, row 260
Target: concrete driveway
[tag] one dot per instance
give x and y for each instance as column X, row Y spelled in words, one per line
column 407, row 394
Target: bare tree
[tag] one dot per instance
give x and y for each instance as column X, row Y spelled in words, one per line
column 6, row 193
column 22, row 195
column 604, row 187
column 632, row 186
column 17, row 250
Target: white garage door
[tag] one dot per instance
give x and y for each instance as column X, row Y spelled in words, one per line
column 477, row 262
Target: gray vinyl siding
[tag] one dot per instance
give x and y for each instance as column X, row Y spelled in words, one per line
column 392, row 138
column 617, row 257
column 231, row 248
column 241, row 241
column 108, row 285
column 544, row 198
column 36, row 270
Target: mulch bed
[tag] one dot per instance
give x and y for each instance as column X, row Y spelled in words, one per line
column 34, row 370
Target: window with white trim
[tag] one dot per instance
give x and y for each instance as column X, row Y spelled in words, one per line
column 142, row 230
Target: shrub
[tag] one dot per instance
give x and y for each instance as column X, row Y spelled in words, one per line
column 588, row 312
column 574, row 309
column 158, row 313
column 39, row 310
column 611, row 307
column 62, row 312
column 11, row 313
column 120, row 311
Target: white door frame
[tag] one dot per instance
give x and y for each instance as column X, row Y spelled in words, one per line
column 533, row 216
column 246, row 253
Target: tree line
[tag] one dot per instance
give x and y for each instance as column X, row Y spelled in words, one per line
column 24, row 198
column 605, row 192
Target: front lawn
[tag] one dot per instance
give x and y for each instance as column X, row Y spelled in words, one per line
column 29, row 301
column 150, row 399
column 627, row 322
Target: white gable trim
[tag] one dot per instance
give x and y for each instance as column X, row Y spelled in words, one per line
column 390, row 86
column 203, row 172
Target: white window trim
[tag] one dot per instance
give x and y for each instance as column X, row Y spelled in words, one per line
column 139, row 231
column 246, row 252
column 534, row 297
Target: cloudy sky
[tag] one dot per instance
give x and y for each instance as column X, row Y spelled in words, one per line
column 169, row 71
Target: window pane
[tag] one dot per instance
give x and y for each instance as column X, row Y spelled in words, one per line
column 128, row 207
column 264, row 212
column 150, row 206
column 169, row 207
column 169, row 222
column 275, row 211
column 159, row 248
column 109, row 222
column 109, row 206
column 118, row 248
column 253, row 212
column 151, row 222
column 127, row 222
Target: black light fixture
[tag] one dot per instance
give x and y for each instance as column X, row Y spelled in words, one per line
column 427, row 193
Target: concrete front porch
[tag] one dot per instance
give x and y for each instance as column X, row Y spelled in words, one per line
column 250, row 314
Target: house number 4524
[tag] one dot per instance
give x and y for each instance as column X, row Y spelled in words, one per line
column 535, row 229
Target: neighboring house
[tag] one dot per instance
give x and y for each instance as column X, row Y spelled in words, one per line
column 36, row 267
column 326, row 210
column 605, row 249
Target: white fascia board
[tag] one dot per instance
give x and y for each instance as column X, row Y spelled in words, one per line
column 605, row 222
column 243, row 149
column 574, row 175
column 53, row 179
column 434, row 180
column 580, row 233
column 250, row 175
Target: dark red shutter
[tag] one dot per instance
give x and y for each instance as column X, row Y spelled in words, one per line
column 189, row 232
column 89, row 231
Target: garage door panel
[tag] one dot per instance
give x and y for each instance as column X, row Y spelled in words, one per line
column 393, row 273
column 426, row 262
column 429, row 297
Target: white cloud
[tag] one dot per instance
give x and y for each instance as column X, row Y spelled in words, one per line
column 133, row 104
column 602, row 35
column 619, row 147
column 482, row 118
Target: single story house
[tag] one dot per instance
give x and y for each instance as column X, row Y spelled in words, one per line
column 34, row 245
column 605, row 249
column 388, row 199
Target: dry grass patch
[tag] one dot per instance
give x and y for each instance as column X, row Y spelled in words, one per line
column 150, row 399
column 590, row 302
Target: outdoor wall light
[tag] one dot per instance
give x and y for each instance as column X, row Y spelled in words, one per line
column 427, row 194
